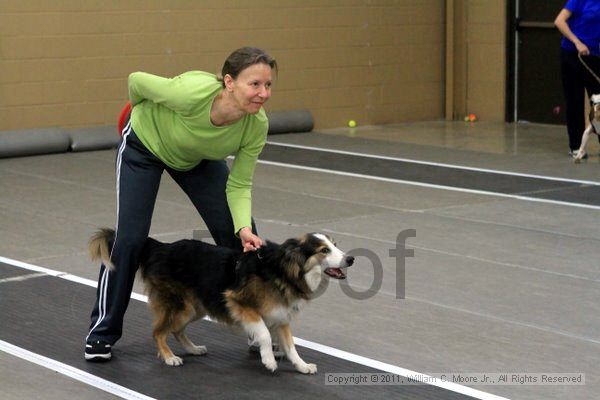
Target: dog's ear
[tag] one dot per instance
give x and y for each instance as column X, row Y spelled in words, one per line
column 293, row 258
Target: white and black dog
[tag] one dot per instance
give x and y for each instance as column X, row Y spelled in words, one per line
column 259, row 291
column 593, row 127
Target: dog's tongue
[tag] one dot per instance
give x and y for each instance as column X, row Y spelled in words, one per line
column 335, row 273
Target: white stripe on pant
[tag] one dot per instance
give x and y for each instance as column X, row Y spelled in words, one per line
column 106, row 272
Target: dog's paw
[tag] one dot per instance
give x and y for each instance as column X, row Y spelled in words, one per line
column 270, row 364
column 174, row 361
column 306, row 368
column 197, row 350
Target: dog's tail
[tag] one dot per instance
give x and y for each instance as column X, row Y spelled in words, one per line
column 99, row 247
column 101, row 243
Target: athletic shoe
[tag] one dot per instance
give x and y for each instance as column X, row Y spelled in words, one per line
column 97, row 351
column 573, row 153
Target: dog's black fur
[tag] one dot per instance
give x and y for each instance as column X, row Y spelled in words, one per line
column 211, row 270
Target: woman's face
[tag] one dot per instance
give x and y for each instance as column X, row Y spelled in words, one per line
column 252, row 87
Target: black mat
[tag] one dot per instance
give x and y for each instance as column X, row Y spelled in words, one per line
column 569, row 192
column 49, row 316
column 9, row 271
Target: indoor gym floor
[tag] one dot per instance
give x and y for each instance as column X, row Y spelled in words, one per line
column 505, row 276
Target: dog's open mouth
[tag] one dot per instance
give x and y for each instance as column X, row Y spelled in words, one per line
column 335, row 273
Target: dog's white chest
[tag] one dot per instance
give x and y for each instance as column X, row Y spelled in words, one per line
column 281, row 315
column 313, row 278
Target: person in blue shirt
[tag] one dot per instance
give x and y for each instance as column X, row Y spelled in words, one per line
column 579, row 22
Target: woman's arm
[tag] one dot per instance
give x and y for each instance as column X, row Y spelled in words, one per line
column 171, row 92
column 563, row 26
column 239, row 185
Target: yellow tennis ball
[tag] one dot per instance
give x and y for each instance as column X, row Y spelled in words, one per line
column 352, row 123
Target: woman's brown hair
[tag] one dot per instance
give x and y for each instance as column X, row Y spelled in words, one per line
column 243, row 58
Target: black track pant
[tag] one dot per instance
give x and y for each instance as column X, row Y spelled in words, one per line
column 138, row 179
column 576, row 79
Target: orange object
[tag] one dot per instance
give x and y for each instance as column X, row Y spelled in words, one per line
column 124, row 117
column 472, row 117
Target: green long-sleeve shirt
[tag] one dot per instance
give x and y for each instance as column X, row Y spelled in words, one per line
column 171, row 116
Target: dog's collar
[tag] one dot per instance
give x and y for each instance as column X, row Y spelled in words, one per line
column 258, row 254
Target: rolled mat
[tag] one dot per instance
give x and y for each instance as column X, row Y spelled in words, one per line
column 29, row 142
column 290, row 121
column 33, row 141
column 97, row 138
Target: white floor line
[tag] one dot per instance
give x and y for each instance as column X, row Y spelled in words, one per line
column 72, row 372
column 433, row 186
column 435, row 164
column 21, row 278
column 301, row 342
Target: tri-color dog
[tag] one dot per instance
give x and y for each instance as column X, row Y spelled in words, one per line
column 259, row 291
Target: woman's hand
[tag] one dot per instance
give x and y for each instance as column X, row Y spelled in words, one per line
column 582, row 48
column 250, row 241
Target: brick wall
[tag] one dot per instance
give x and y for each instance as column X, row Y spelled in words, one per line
column 486, row 58
column 65, row 63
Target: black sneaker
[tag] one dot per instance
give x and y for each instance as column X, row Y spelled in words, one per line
column 97, row 351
